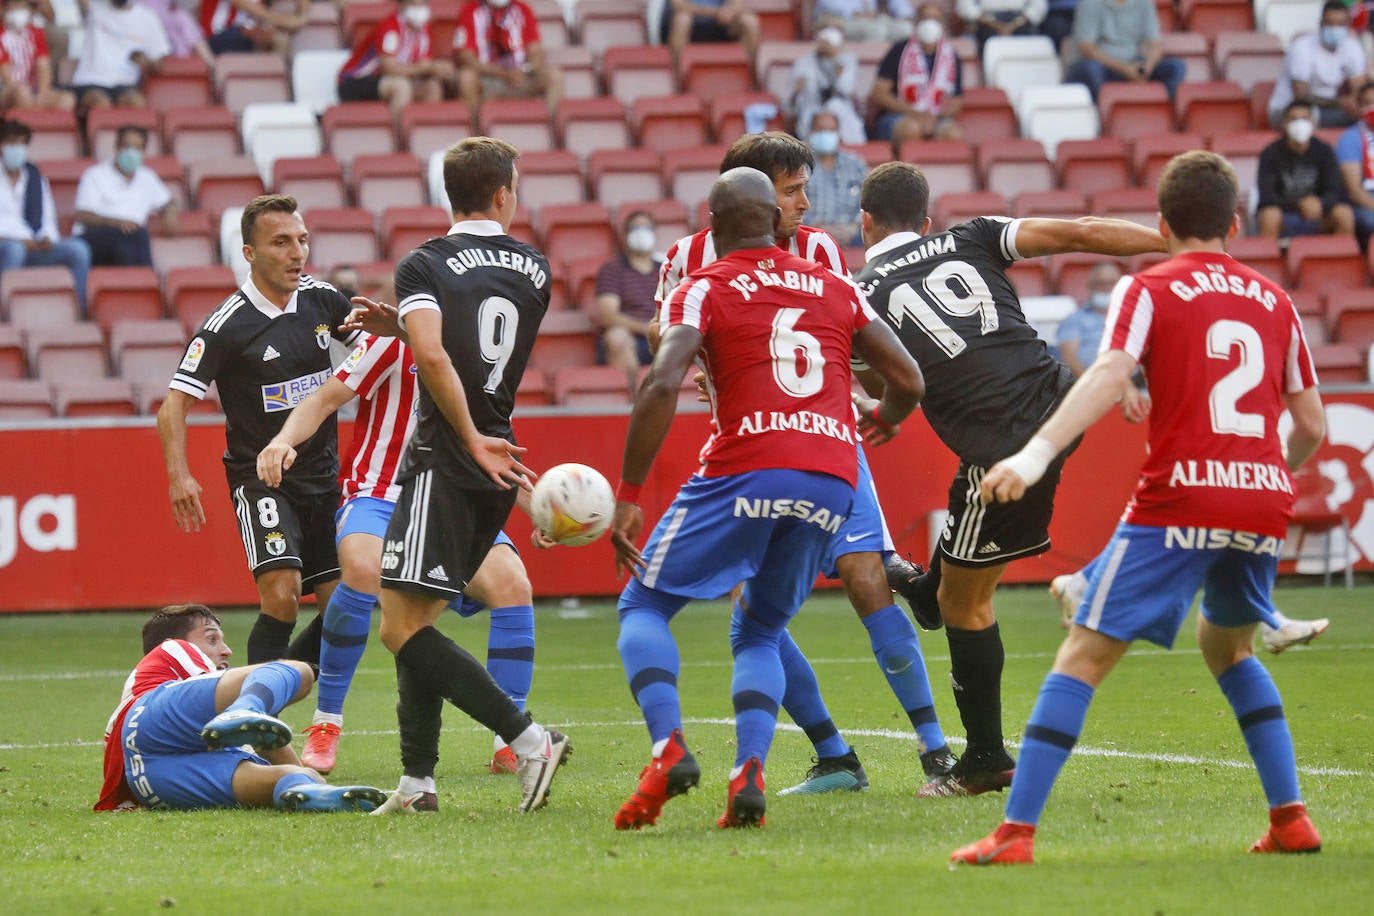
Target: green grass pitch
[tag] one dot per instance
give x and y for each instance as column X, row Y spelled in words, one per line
column 1153, row 814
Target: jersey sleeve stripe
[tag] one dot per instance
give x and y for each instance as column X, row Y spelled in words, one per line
column 1300, row 373
column 1129, row 317
column 1008, row 240
column 686, row 305
column 417, row 301
column 670, row 274
column 188, row 385
column 222, row 314
column 824, row 250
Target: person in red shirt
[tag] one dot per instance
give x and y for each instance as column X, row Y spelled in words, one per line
column 776, row 334
column 237, row 26
column 1224, row 350
column 395, row 63
column 25, row 47
column 500, row 55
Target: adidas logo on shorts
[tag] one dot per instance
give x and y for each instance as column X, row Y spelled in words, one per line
column 989, row 547
column 437, row 574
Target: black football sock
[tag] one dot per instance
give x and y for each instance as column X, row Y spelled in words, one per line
column 419, row 713
column 976, row 658
column 452, row 672
column 268, row 638
column 306, row 646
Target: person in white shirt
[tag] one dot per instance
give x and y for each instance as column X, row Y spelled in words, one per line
column 28, row 216
column 124, row 42
column 825, row 80
column 114, row 200
column 868, row 20
column 1323, row 69
column 989, row 18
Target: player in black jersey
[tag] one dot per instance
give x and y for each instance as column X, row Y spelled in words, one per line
column 470, row 304
column 990, row 382
column 266, row 347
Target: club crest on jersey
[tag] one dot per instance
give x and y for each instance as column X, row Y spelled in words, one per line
column 275, row 542
column 194, row 352
column 322, row 336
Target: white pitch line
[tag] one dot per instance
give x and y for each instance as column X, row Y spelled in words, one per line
column 890, row 734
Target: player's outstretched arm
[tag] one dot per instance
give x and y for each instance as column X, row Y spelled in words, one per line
column 903, row 386
column 1309, row 427
column 278, row 455
column 183, row 489
column 1094, row 234
column 379, row 319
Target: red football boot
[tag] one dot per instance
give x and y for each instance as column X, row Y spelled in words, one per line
column 670, row 774
column 745, row 804
column 1290, row 830
column 1009, row 844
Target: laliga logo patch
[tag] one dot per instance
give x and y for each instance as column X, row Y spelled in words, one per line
column 275, row 543
column 352, row 362
column 322, row 336
column 194, row 352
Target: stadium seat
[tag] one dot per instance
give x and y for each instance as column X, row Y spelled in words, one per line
column 1010, row 166
column 954, row 208
column 32, row 297
column 25, row 399
column 1132, row 110
column 553, row 177
column 671, row 219
column 710, row 69
column 219, row 183
column 108, row 397
column 579, row 277
column 869, row 53
column 358, row 128
column 362, row 16
column 1339, row 364
column 576, row 231
column 200, row 132
column 321, row 31
column 1215, row 107
column 726, row 114
column 192, row 293
column 522, row 228
column 146, row 351
column 1325, row 263
column 1351, row 317
column 315, row 76
column 689, row 173
column 67, row 351
column 578, row 66
column 603, row 24
column 874, row 153
column 315, row 181
column 1262, row 255
column 970, row 64
column 192, row 246
column 1014, row 63
column 1044, row 313
column 1193, row 50
column 55, row 133
column 103, row 124
column 1243, row 150
column 404, row 228
column 1029, row 277
column 1053, row 114
column 272, row 130
column 1064, row 204
column 1089, row 166
column 340, row 236
column 778, row 19
column 566, row 338
column 1151, row 154
column 13, row 362
column 987, row 115
column 430, row 126
column 773, row 65
column 231, row 242
column 1287, row 18
column 630, row 72
column 587, row 125
column 118, row 294
column 669, row 122
column 534, row 390
column 173, row 175
column 1136, row 263
column 64, row 175
column 1138, row 205
column 390, row 180
column 251, row 78
column 150, row 395
column 1246, row 58
column 180, row 82
column 554, row 33
column 948, row 164
column 1210, row 18
column 1071, row 272
column 590, row 386
column 524, row 122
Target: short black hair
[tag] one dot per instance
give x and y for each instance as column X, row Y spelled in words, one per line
column 11, row 129
column 131, row 129
column 772, row 152
column 476, row 168
column 897, row 196
column 1197, row 195
column 1333, row 6
column 175, row 622
column 1296, row 103
column 266, row 203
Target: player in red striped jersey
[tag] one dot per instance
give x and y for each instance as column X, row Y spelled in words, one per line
column 381, row 373
column 174, row 739
column 31, row 76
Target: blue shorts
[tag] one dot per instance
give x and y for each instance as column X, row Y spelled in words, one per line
column 165, row 761
column 865, row 530
column 721, row 531
column 371, row 515
column 1143, row 583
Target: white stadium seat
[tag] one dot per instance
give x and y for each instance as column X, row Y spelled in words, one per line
column 1287, row 18
column 1052, row 114
column 279, row 130
column 231, row 242
column 1014, row 62
column 315, row 77
column 1046, row 312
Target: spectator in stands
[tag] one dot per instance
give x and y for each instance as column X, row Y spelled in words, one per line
column 28, row 216
column 824, row 80
column 1301, row 189
column 114, row 200
column 867, row 20
column 1001, row 17
column 625, row 299
column 344, row 278
column 1080, row 334
column 1322, row 68
column 1058, row 22
column 707, row 21
column 835, row 184
column 123, row 43
column 183, row 30
column 395, row 62
column 916, row 91
column 30, row 83
column 1355, row 153
column 240, row 26
column 1118, row 40
column 500, row 55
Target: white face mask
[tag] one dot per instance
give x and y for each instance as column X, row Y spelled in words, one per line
column 1300, row 130
column 929, row 31
column 641, row 239
column 417, row 17
column 498, row 4
column 17, row 19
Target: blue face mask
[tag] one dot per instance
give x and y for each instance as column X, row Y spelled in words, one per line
column 14, row 155
column 1331, row 36
column 825, row 142
column 128, row 160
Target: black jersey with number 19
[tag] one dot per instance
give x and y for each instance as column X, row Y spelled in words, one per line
column 492, row 292
column 990, row 380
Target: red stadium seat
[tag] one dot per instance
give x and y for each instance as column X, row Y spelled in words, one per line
column 1193, row 50
column 1339, row 364
column 1247, row 58
column 1215, row 107
column 340, row 236
column 321, row 31
column 773, row 65
column 352, row 129
column 191, row 246
column 603, row 24
column 1325, row 263
column 1071, row 272
column 534, row 389
column 1011, row 166
column 361, row 17
column 173, row 175
column 522, row 228
column 389, row 180
column 1029, row 277
column 194, row 292
column 580, row 281
column 315, row 181
column 1065, row 204
column 71, row 351
column 64, row 175
column 1150, row 154
column 874, row 153
column 1351, row 317
column 553, row 28
column 948, row 164
column 55, row 134
column 1243, row 150
column 219, row 183
column 590, row 386
column 587, row 125
column 118, row 294
column 13, row 362
column 102, row 125
column 1133, row 110
column 1262, row 255
column 577, row 231
column 200, row 132
column 180, row 82
column 778, row 19
column 566, row 338
column 633, row 71
column 150, row 395
column 243, row 79
column 1136, row 204
column 33, row 297
column 727, row 114
column 109, row 397
column 578, row 66
column 669, row 122
column 689, row 173
column 146, row 351
column 711, row 69
column 986, row 115
column 955, row 208
column 25, row 399
column 404, row 228
column 551, row 178
column 1089, row 166
column 524, row 122
column 430, row 126
column 618, row 175
column 1210, row 18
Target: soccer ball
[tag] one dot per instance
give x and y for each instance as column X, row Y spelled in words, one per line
column 572, row 504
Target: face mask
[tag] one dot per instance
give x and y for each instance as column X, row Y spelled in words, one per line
column 128, row 159
column 498, row 4
column 1300, row 130
column 825, row 142
column 1099, row 301
column 14, row 155
column 1331, row 36
column 17, row 19
column 119, row 4
column 417, row 17
column 929, row 31
column 641, row 239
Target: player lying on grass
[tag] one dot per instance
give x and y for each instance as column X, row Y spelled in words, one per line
column 176, row 739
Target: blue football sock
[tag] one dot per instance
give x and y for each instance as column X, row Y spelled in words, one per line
column 803, row 701
column 893, row 638
column 510, row 651
column 347, row 619
column 1054, row 726
column 650, row 657
column 288, row 782
column 267, row 688
column 756, row 687
column 1259, row 710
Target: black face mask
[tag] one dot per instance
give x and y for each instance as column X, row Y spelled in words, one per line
column 119, row 4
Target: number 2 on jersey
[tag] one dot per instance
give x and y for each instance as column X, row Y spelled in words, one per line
column 966, row 297
column 497, row 319
column 1227, row 418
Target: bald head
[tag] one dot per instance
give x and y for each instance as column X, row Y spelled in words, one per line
column 744, row 210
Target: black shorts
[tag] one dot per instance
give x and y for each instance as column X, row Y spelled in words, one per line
column 978, row 535
column 362, row 89
column 440, row 533
column 284, row 530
